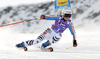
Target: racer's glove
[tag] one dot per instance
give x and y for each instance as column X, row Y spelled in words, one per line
column 74, row 43
column 42, row 16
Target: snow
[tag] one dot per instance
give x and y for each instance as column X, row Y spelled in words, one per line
column 94, row 8
column 5, row 3
column 88, row 46
column 88, row 38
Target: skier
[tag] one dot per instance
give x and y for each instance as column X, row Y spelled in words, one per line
column 53, row 34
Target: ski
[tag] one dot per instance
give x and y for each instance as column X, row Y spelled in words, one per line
column 50, row 49
column 22, row 46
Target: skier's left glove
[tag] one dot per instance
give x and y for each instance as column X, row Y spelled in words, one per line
column 42, row 16
column 74, row 43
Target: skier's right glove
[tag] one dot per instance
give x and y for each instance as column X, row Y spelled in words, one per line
column 42, row 16
column 74, row 43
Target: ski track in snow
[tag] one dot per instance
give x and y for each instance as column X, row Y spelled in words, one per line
column 88, row 46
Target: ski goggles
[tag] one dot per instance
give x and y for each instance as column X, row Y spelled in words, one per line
column 67, row 15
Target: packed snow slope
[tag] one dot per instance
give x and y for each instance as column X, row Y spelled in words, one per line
column 88, row 46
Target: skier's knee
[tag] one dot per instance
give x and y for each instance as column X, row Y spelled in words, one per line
column 55, row 39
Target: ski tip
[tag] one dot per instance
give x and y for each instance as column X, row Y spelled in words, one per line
column 25, row 48
column 51, row 49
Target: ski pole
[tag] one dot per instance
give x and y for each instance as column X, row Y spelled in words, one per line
column 11, row 24
column 19, row 22
column 69, row 47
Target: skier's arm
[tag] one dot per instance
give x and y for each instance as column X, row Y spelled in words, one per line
column 71, row 28
column 49, row 17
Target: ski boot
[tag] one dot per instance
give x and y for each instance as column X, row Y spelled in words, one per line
column 21, row 45
column 44, row 45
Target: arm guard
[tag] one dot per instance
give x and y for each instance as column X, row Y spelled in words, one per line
column 51, row 18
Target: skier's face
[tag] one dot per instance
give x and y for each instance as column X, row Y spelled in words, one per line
column 66, row 18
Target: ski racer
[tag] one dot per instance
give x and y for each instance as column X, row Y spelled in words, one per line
column 54, row 33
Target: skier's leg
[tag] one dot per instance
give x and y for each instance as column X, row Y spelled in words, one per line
column 53, row 39
column 32, row 42
column 46, row 34
column 36, row 41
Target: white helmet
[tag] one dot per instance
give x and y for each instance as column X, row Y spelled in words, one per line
column 66, row 11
